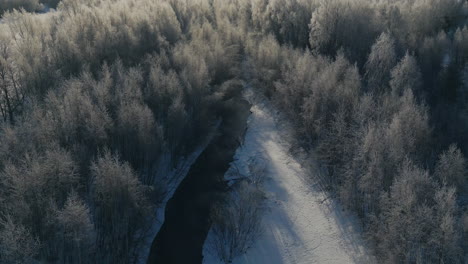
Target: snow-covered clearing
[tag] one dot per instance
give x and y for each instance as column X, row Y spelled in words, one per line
column 301, row 224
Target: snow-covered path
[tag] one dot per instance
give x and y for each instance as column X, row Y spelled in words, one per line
column 300, row 225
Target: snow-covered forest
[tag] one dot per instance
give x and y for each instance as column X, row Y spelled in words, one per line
column 357, row 105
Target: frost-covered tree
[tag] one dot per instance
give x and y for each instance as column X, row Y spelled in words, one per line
column 17, row 245
column 447, row 235
column 335, row 24
column 451, row 167
column 11, row 89
column 139, row 135
column 237, row 222
column 75, row 231
column 405, row 76
column 121, row 207
column 401, row 233
column 335, row 87
column 401, row 229
column 36, row 188
column 296, row 80
column 289, row 21
column 409, row 131
column 380, row 62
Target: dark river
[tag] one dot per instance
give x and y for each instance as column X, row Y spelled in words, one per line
column 186, row 223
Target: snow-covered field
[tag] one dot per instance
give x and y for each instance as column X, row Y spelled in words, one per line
column 300, row 225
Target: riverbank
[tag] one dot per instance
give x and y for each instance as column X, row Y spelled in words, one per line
column 302, row 223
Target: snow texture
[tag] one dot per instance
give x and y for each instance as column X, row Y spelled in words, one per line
column 301, row 223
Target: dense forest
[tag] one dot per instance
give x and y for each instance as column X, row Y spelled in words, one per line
column 99, row 99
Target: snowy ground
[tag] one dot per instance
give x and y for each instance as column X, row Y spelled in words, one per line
column 301, row 225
